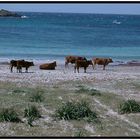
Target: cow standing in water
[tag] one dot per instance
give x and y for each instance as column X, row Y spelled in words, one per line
column 72, row 59
column 101, row 61
column 82, row 63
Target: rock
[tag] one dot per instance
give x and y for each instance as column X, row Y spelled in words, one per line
column 5, row 13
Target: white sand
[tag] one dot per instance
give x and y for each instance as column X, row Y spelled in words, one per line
column 61, row 74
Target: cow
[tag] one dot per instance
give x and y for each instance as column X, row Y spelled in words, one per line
column 25, row 64
column 72, row 59
column 82, row 63
column 101, row 61
column 48, row 66
column 19, row 64
column 13, row 63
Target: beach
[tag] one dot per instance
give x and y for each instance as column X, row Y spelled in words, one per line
column 62, row 73
column 47, row 37
column 102, row 79
column 116, row 84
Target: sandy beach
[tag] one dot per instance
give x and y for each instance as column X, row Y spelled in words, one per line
column 62, row 74
column 69, row 71
column 102, row 79
column 116, row 83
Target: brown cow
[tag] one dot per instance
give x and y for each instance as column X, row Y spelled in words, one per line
column 25, row 64
column 48, row 66
column 13, row 63
column 82, row 63
column 72, row 59
column 101, row 61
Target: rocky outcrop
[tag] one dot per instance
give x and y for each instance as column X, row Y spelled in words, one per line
column 5, row 13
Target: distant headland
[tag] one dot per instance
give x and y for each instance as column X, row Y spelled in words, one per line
column 6, row 13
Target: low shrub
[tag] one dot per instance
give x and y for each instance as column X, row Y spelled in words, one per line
column 92, row 92
column 80, row 133
column 76, row 111
column 37, row 96
column 9, row 115
column 129, row 106
column 18, row 91
column 31, row 113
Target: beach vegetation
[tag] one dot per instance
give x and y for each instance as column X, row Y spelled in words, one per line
column 80, row 133
column 9, row 115
column 32, row 113
column 76, row 111
column 37, row 95
column 129, row 106
column 92, row 91
column 18, row 91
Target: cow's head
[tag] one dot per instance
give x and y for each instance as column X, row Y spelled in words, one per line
column 90, row 62
column 31, row 63
column 55, row 63
column 110, row 60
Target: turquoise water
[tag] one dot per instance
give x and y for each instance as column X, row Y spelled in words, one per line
column 52, row 36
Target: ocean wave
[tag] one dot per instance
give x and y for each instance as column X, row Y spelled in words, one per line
column 24, row 17
column 116, row 22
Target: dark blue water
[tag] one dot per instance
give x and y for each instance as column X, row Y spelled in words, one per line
column 52, row 36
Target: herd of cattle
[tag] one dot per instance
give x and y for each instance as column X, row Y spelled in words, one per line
column 77, row 60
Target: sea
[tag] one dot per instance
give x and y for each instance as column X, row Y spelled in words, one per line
column 44, row 37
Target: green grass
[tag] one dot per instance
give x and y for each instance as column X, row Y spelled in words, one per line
column 83, row 89
column 37, row 95
column 18, row 91
column 32, row 113
column 76, row 111
column 9, row 115
column 129, row 106
column 136, row 85
column 80, row 133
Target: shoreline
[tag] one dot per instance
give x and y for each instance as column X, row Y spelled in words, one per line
column 62, row 62
column 61, row 74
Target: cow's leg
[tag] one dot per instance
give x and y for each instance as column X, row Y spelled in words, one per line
column 17, row 69
column 11, row 68
column 84, row 69
column 66, row 64
column 20, row 69
column 78, row 69
column 94, row 66
column 26, row 69
column 75, row 69
column 104, row 67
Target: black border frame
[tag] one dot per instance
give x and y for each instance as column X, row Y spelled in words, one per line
column 69, row 2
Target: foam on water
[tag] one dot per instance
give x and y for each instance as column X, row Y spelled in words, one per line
column 24, row 17
column 116, row 22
